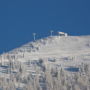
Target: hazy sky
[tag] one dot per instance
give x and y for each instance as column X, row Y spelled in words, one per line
column 20, row 18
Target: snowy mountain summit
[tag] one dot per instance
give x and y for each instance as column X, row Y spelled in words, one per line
column 55, row 46
column 53, row 63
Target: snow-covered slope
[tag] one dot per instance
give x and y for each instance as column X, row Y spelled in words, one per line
column 63, row 62
column 55, row 46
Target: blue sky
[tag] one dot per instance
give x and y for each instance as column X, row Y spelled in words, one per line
column 20, row 18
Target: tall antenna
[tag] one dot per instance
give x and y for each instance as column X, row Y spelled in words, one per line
column 51, row 32
column 34, row 36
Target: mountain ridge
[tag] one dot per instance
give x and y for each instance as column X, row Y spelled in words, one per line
column 54, row 46
column 53, row 61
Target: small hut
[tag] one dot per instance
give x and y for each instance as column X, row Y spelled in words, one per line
column 62, row 34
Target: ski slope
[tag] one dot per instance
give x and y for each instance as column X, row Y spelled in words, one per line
column 56, row 46
column 70, row 54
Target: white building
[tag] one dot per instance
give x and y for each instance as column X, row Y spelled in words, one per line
column 62, row 34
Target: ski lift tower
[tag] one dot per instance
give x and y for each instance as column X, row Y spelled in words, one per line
column 51, row 32
column 34, row 36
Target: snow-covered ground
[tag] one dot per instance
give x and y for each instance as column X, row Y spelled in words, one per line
column 52, row 63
